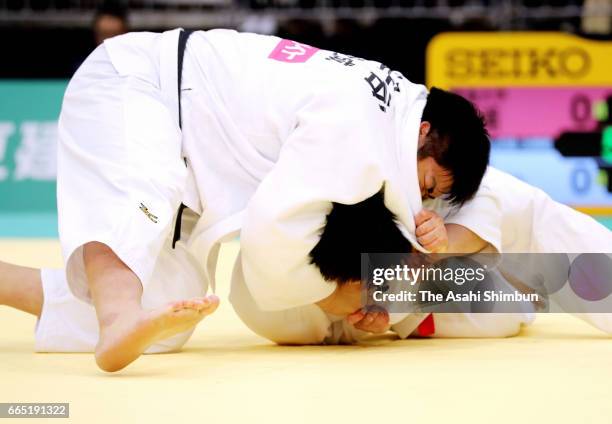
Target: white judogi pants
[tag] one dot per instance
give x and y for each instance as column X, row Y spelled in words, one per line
column 68, row 324
column 121, row 173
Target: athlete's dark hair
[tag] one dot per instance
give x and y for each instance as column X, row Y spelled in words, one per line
column 112, row 8
column 365, row 227
column 458, row 141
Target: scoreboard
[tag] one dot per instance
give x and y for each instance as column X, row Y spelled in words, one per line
column 547, row 99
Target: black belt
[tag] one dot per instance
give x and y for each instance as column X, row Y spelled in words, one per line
column 182, row 44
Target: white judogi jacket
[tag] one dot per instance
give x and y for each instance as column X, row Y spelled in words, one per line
column 273, row 132
column 515, row 217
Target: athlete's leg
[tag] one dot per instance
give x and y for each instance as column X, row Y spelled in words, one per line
column 116, row 209
column 21, row 288
column 126, row 329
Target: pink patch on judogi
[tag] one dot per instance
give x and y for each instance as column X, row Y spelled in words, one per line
column 292, row 52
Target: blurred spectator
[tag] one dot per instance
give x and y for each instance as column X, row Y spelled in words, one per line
column 110, row 20
column 597, row 17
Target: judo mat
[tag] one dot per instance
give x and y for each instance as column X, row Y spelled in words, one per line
column 559, row 370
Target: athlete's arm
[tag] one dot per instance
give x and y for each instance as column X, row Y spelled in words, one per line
column 462, row 240
column 372, row 322
column 345, row 300
column 331, row 156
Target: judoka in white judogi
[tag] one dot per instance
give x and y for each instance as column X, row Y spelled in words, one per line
column 503, row 213
column 273, row 131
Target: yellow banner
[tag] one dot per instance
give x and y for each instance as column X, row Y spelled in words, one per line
column 526, row 59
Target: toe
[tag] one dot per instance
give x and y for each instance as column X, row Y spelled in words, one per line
column 209, row 302
column 176, row 306
column 209, row 309
column 191, row 304
column 183, row 305
column 213, row 299
column 200, row 305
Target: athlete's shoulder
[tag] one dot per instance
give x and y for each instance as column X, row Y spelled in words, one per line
column 135, row 53
column 499, row 181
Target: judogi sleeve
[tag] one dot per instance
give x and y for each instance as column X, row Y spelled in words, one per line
column 333, row 155
column 482, row 215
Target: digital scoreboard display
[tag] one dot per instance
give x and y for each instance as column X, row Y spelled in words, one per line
column 547, row 98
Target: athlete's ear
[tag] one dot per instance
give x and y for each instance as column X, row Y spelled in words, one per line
column 424, row 128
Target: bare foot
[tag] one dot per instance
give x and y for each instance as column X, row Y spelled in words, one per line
column 128, row 336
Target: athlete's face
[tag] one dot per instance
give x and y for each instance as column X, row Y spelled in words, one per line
column 434, row 180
